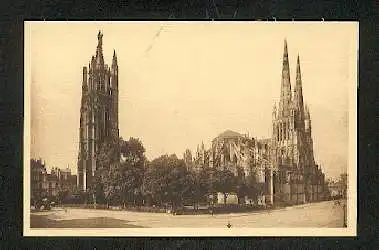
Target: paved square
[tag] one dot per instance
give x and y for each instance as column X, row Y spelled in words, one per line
column 322, row 214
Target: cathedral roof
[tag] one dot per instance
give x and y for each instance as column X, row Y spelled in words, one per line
column 229, row 134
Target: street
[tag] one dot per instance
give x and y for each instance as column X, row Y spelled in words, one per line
column 323, row 214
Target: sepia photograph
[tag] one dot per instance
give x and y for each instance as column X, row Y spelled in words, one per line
column 190, row 128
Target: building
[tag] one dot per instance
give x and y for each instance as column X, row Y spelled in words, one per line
column 294, row 175
column 201, row 158
column 66, row 180
column 38, row 170
column 98, row 112
column 283, row 164
column 48, row 185
column 243, row 156
column 338, row 188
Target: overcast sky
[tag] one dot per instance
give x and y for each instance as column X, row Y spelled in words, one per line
column 190, row 82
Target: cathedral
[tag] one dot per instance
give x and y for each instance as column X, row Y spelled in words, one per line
column 295, row 177
column 98, row 112
column 284, row 164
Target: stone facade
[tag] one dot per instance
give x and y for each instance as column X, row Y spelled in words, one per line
column 44, row 184
column 284, row 163
column 98, row 112
column 38, row 170
column 66, row 180
column 295, row 176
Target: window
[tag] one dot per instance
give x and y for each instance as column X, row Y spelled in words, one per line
column 285, row 131
column 106, row 123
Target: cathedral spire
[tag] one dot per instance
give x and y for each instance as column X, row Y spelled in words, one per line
column 285, row 92
column 99, row 50
column 114, row 60
column 99, row 42
column 298, row 91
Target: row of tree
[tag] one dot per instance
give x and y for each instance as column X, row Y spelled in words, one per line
column 124, row 175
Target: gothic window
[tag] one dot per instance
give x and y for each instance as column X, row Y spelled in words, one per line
column 95, row 117
column 227, row 157
column 106, row 123
column 288, row 176
column 285, row 130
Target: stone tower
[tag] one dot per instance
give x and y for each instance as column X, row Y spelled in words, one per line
column 98, row 112
column 292, row 145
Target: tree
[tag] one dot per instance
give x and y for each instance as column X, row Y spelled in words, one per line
column 166, row 180
column 120, row 170
column 253, row 188
column 225, row 182
column 242, row 188
column 111, row 184
column 190, row 194
column 197, row 183
column 132, row 167
column 108, row 154
column 106, row 179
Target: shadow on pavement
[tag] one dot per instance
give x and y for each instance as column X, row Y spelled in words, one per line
column 38, row 221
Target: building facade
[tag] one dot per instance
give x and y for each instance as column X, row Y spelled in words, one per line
column 284, row 164
column 48, row 185
column 294, row 175
column 66, row 180
column 37, row 173
column 98, row 112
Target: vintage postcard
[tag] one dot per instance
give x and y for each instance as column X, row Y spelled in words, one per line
column 190, row 128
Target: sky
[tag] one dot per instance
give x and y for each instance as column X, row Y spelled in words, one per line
column 182, row 83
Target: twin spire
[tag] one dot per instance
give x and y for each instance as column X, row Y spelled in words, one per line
column 286, row 93
column 298, row 92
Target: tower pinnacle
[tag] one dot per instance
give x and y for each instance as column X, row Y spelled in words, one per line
column 99, row 39
column 298, row 91
column 99, row 50
column 114, row 60
column 298, row 72
column 285, row 92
